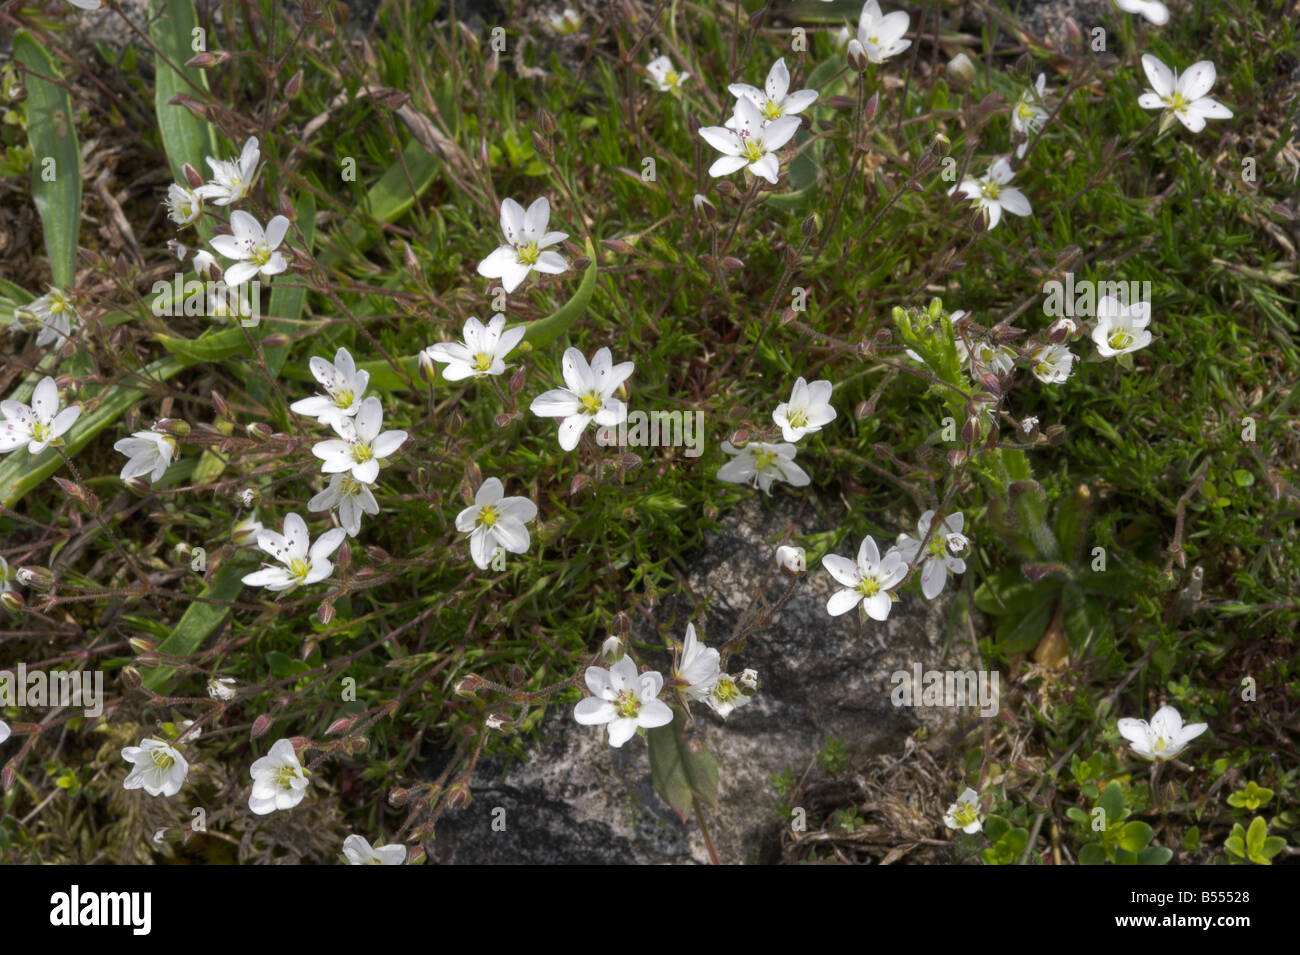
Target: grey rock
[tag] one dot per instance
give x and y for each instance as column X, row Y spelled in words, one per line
column 577, row 800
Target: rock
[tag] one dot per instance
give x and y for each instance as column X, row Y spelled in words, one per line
column 578, row 800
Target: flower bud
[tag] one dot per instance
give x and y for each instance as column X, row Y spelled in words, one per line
column 792, row 560
column 857, row 56
column 258, row 431
column 704, row 208
column 12, row 601
column 326, row 613
column 141, row 645
column 611, row 651
column 467, row 686
column 749, row 679
column 38, row 578
column 961, row 71
column 132, row 677
column 192, row 176
column 222, row 688
column 292, row 87
column 261, row 726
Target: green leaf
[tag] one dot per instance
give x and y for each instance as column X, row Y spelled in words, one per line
column 1136, row 836
column 52, row 135
column 1092, row 854
column 212, row 345
column 201, row 618
column 1155, row 855
column 1112, row 803
column 545, row 330
column 1072, row 523
column 186, row 138
column 680, row 775
column 995, row 827
column 387, row 200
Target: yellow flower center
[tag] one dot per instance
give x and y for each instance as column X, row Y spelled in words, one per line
column 285, row 776
column 990, row 190
column 725, row 690
column 797, row 419
column 590, row 402
column 1178, row 102
column 936, row 547
column 868, row 586
column 162, row 759
column 1160, row 746
column 772, row 110
column 261, row 254
column 753, row 150
column 42, row 431
column 487, row 516
column 482, row 361
column 361, row 452
column 1119, row 339
column 672, row 78
column 528, row 254
column 628, row 704
column 300, row 567
column 965, row 814
column 343, row 398
column 764, row 460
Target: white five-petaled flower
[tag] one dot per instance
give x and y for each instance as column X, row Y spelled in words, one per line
column 303, row 562
column 482, row 353
column 279, row 780
column 964, row 813
column 494, row 521
column 358, row 851
column 868, row 581
column 526, row 242
column 345, row 388
column 361, row 445
column 663, row 75
column 726, row 695
column 183, row 205
column 1052, row 364
column 1028, row 116
column 56, row 316
column 351, row 497
column 623, row 700
column 1154, row 11
column 252, row 248
column 775, row 99
column 160, row 769
column 698, row 665
column 588, row 397
column 1183, row 94
column 751, row 143
column 759, row 464
column 148, row 452
column 880, row 35
column 231, row 179
column 807, row 410
column 993, row 195
column 37, row 426
column 941, row 551
column 1121, row 328
column 1163, row 738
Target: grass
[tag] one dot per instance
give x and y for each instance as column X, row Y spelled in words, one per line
column 702, row 301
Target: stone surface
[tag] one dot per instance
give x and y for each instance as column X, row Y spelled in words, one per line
column 578, row 800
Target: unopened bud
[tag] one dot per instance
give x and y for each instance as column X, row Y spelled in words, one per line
column 12, row 601
column 38, row 578
column 132, row 678
column 292, row 87
column 192, row 176
column 961, row 71
column 468, row 686
column 857, row 56
column 141, row 645
column 792, row 560
column 397, row 797
column 261, row 726
column 258, row 431
column 611, row 651
column 326, row 613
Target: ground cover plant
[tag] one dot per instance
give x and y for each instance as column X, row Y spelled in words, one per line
column 371, row 370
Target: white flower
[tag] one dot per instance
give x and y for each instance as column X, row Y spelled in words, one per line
column 663, row 75
column 775, row 99
column 985, row 358
column 4, row 731
column 751, row 143
column 749, row 679
column 183, row 205
column 1164, row 738
column 483, row 351
column 222, row 688
column 1155, row 11
column 304, row 562
column 345, row 387
column 359, row 852
column 159, row 769
column 793, row 559
column 253, row 249
column 759, row 464
column 204, row 262
column 1121, row 328
column 279, row 781
column 246, row 530
column 868, row 581
column 1183, row 94
column 623, row 700
column 37, row 426
column 566, row 22
column 880, row 35
column 148, row 452
column 698, row 665
column 351, row 497
column 231, row 179
column 588, row 397
column 526, row 240
column 807, row 410
column 1052, row 364
column 726, row 696
column 494, row 520
column 57, row 317
column 1064, row 327
column 361, row 444
column 1028, row 116
column 992, row 194
column 940, row 552
column 964, row 813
